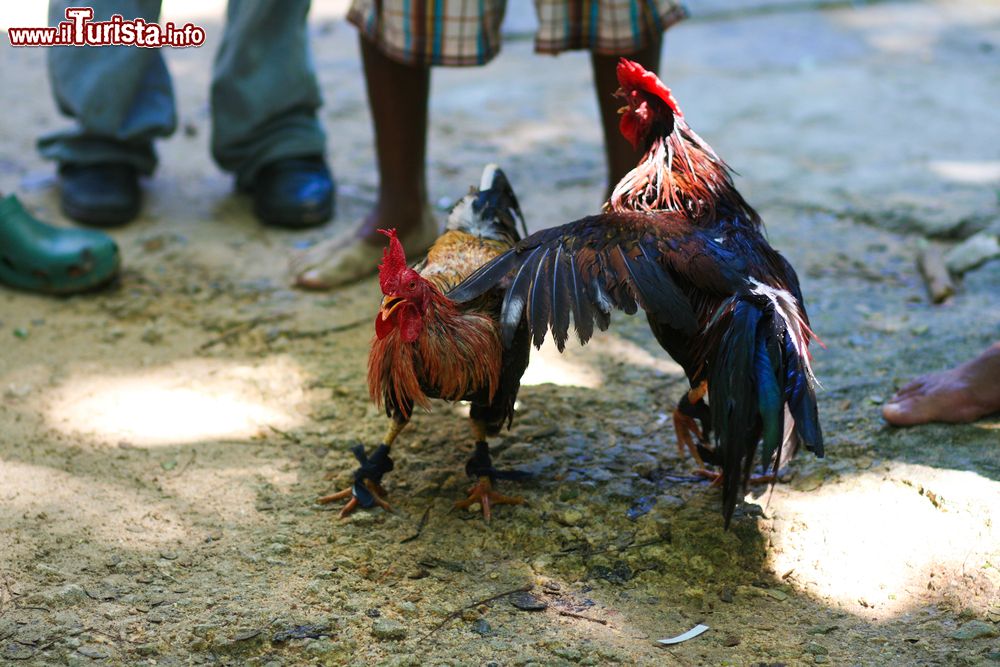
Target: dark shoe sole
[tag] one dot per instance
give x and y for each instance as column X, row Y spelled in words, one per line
column 294, row 219
column 92, row 217
column 37, row 284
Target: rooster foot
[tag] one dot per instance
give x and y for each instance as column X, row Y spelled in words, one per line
column 482, row 493
column 367, row 490
column 368, row 495
column 691, row 410
column 689, row 435
column 481, row 466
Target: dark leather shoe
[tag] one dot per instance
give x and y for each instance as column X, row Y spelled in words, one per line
column 294, row 193
column 102, row 195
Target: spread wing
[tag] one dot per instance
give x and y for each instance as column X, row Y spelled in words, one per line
column 625, row 261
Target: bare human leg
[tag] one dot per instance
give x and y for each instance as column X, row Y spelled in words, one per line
column 621, row 157
column 397, row 96
column 962, row 394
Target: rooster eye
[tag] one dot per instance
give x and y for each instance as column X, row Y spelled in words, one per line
column 412, row 284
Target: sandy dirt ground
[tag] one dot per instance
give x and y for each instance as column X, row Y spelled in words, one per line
column 162, row 442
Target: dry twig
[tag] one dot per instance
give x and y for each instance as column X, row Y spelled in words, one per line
column 458, row 612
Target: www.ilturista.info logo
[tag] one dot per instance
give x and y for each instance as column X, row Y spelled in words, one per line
column 80, row 30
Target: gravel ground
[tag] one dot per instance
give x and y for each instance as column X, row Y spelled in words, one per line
column 162, row 442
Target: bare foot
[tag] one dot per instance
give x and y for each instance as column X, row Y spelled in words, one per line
column 349, row 257
column 958, row 395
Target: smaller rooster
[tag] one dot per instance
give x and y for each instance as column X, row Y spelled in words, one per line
column 427, row 346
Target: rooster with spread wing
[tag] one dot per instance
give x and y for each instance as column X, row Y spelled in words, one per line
column 428, row 346
column 679, row 241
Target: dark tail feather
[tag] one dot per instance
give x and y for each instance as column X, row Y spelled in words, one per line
column 756, row 370
column 497, row 202
column 497, row 215
column 732, row 396
column 802, row 401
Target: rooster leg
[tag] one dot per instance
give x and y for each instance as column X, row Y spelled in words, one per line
column 481, row 466
column 367, row 490
column 690, row 410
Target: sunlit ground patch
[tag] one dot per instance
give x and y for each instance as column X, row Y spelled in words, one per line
column 183, row 402
column 881, row 543
column 576, row 366
column 84, row 508
column 568, row 369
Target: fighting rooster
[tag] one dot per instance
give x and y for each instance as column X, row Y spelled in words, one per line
column 679, row 241
column 427, row 346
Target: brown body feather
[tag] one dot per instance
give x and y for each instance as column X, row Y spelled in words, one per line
column 458, row 354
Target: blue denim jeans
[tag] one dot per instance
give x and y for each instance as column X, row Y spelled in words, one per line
column 264, row 93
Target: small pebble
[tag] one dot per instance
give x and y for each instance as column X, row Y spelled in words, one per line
column 151, row 336
column 570, row 517
column 975, row 630
column 777, row 594
column 822, row 629
column 527, row 602
column 816, row 649
column 387, row 630
column 94, row 651
column 147, row 649
column 972, row 252
column 277, row 548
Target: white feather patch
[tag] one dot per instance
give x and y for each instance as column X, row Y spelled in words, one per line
column 787, row 307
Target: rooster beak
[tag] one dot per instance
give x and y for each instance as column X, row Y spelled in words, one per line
column 389, row 304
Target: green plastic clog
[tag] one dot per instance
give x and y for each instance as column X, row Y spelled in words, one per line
column 38, row 257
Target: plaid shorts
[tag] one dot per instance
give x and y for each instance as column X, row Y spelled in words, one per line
column 467, row 32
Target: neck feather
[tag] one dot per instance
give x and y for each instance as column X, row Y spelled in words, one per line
column 680, row 172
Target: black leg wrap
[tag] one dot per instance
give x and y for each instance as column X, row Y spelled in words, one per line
column 372, row 467
column 481, row 465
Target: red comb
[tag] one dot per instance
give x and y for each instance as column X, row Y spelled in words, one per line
column 393, row 263
column 633, row 76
